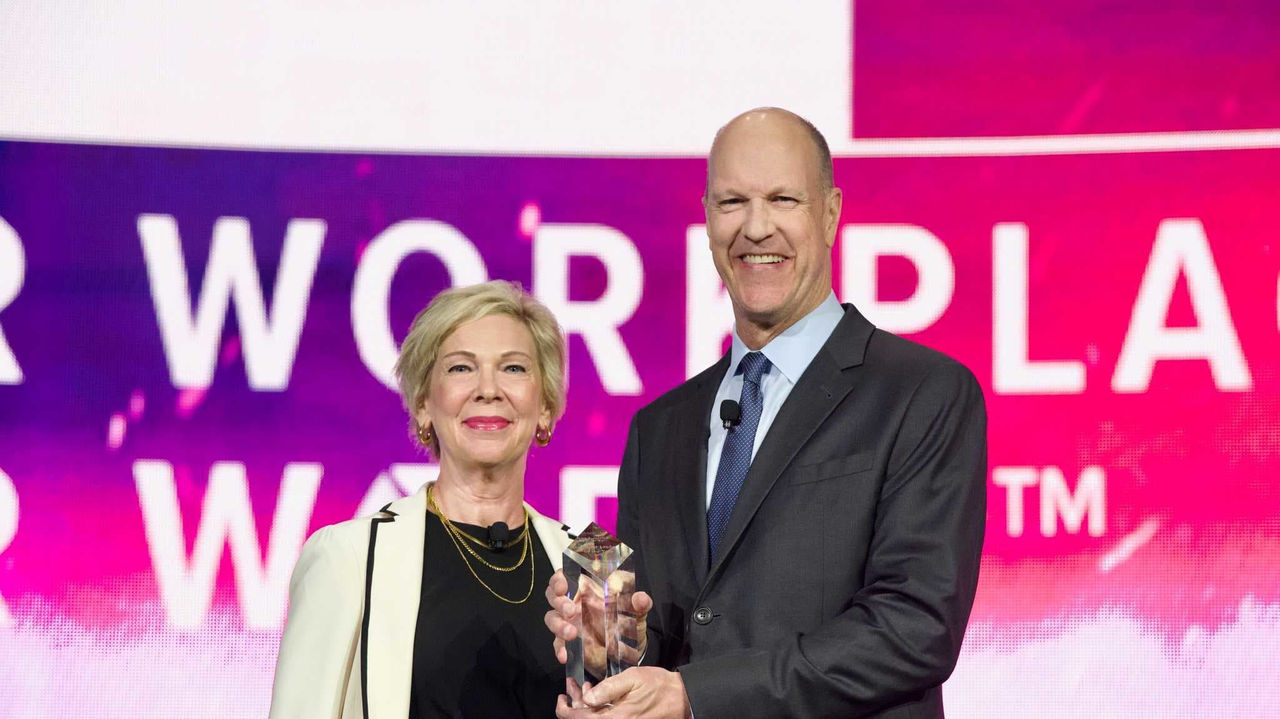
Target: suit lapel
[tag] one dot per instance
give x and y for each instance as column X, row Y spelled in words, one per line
column 395, row 586
column 689, row 435
column 822, row 387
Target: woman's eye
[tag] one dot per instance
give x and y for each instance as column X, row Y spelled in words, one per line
column 457, row 369
column 516, row 368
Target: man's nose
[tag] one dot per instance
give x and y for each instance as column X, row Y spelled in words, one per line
column 759, row 221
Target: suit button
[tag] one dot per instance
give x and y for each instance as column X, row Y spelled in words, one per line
column 702, row 615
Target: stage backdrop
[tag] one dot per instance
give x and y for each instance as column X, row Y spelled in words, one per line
column 1077, row 203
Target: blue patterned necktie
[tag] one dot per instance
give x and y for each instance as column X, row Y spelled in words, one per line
column 735, row 456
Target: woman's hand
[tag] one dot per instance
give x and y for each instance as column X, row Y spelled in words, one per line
column 562, row 620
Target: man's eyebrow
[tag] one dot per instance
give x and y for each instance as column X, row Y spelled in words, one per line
column 788, row 191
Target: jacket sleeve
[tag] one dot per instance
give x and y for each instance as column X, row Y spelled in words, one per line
column 318, row 648
column 629, row 533
column 900, row 634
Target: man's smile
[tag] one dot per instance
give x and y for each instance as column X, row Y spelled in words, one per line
column 762, row 259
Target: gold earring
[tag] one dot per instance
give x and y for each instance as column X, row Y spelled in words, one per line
column 424, row 436
column 542, row 436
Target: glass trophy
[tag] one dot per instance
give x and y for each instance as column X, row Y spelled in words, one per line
column 601, row 578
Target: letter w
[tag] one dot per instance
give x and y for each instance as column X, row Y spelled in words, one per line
column 226, row 518
column 191, row 331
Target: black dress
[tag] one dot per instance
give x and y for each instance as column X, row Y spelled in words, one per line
column 475, row 655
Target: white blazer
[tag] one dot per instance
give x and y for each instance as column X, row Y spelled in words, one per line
column 347, row 649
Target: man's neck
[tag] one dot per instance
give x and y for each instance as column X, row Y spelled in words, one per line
column 755, row 333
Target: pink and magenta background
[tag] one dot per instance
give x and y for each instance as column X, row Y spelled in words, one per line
column 1186, row 624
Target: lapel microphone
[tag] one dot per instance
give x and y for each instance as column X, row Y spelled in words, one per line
column 730, row 413
column 499, row 535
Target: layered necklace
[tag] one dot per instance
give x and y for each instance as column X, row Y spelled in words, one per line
column 460, row 542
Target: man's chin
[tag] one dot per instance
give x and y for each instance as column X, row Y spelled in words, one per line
column 769, row 312
column 763, row 315
column 761, row 301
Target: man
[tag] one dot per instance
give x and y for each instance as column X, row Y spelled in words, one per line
column 819, row 558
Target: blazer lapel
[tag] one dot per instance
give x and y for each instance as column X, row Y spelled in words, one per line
column 395, row 586
column 821, row 388
column 553, row 535
column 689, row 433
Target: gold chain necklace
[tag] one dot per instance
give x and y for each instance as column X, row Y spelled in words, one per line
column 482, row 543
column 460, row 545
column 458, row 535
column 524, row 533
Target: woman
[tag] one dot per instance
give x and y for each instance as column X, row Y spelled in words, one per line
column 428, row 609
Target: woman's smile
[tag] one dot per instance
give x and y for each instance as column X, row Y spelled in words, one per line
column 487, row 424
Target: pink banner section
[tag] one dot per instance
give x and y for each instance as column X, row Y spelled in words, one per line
column 928, row 68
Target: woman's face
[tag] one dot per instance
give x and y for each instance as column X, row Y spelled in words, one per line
column 485, row 396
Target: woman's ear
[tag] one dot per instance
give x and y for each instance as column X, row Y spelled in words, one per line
column 544, row 418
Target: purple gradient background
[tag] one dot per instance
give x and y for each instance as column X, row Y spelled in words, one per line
column 1201, row 461
column 1188, row 626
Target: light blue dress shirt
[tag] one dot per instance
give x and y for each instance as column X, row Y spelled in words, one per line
column 790, row 354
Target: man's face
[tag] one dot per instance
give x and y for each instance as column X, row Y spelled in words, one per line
column 770, row 222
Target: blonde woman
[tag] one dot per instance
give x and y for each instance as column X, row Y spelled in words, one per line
column 431, row 608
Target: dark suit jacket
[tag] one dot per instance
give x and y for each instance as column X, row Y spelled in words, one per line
column 849, row 565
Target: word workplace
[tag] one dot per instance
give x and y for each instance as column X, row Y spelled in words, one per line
column 192, row 328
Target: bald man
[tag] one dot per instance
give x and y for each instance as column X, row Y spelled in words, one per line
column 819, row 556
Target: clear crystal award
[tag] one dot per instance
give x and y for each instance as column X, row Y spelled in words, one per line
column 601, row 579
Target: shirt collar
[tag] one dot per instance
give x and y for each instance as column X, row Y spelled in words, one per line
column 793, row 350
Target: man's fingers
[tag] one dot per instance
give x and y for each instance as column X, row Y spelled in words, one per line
column 628, row 655
column 608, row 691
column 641, row 603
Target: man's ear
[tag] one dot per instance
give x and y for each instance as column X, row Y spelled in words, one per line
column 831, row 223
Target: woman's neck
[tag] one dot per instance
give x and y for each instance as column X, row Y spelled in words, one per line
column 481, row 496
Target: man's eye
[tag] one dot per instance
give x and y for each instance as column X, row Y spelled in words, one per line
column 785, row 200
column 730, row 202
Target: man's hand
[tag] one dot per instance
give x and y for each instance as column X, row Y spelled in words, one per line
column 564, row 612
column 649, row 692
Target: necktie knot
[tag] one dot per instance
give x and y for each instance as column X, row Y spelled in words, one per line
column 754, row 365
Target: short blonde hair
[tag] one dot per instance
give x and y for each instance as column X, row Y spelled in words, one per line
column 457, row 306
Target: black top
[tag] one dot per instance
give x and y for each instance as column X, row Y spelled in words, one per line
column 475, row 655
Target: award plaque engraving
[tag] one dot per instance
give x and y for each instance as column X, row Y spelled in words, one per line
column 601, row 579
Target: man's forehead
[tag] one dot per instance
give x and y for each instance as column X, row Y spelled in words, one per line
column 760, row 167
column 767, row 134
